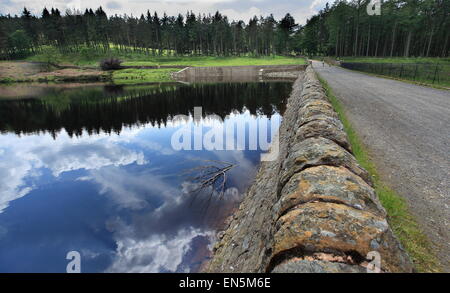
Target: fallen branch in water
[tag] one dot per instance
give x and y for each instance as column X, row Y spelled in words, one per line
column 211, row 176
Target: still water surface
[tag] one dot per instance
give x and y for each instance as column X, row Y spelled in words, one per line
column 92, row 169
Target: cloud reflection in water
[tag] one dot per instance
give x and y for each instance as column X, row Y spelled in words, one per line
column 119, row 199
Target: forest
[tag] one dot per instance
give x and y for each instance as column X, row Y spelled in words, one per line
column 405, row 28
column 150, row 34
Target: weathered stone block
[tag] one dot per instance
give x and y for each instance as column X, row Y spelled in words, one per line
column 313, row 96
column 317, row 103
column 331, row 120
column 321, row 128
column 313, row 110
column 329, row 184
column 319, row 151
column 309, row 88
column 337, row 228
column 316, row 266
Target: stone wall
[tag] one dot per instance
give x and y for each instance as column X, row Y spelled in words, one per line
column 313, row 209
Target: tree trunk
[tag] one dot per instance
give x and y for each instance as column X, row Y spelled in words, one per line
column 393, row 38
column 408, row 44
column 376, row 45
column 355, row 47
column 444, row 51
column 336, row 46
column 429, row 42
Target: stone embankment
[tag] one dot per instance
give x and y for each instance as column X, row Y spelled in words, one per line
column 237, row 73
column 314, row 208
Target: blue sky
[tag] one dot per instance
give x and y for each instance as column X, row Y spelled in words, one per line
column 234, row 9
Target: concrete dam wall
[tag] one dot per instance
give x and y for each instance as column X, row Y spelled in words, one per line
column 234, row 73
column 313, row 209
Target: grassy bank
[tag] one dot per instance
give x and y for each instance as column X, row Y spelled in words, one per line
column 135, row 76
column 91, row 58
column 127, row 76
column 401, row 220
column 434, row 72
column 396, row 60
column 217, row 61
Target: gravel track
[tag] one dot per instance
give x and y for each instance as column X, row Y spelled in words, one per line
column 406, row 128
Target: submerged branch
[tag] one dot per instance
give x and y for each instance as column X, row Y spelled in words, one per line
column 212, row 175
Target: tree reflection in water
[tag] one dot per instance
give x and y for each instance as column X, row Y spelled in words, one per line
column 108, row 109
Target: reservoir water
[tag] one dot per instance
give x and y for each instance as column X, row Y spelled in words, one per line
column 93, row 169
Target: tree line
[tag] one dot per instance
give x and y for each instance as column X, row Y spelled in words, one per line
column 404, row 28
column 150, row 34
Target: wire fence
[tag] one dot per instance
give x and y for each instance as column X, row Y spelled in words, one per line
column 433, row 73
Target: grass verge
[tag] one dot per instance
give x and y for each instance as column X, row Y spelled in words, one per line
column 443, row 86
column 397, row 60
column 425, row 71
column 435, row 86
column 402, row 222
column 136, row 76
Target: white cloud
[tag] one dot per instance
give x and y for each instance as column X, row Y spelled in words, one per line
column 243, row 15
column 234, row 9
column 156, row 253
column 161, row 239
column 317, row 4
column 90, row 156
column 154, row 146
column 21, row 157
column 13, row 170
column 132, row 190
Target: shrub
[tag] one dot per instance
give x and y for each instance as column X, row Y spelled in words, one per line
column 110, row 64
column 88, row 53
column 50, row 56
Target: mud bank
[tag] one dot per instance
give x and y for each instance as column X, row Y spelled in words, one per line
column 313, row 209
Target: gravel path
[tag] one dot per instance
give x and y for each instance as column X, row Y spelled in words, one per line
column 407, row 130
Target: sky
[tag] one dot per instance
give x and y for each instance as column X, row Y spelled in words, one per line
column 301, row 10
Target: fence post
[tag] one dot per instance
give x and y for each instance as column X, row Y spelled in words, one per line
column 401, row 71
column 435, row 72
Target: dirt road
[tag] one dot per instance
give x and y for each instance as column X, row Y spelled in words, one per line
column 407, row 130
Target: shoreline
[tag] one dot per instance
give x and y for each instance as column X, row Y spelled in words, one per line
column 23, row 72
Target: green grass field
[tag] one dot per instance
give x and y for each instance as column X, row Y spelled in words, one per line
column 217, row 61
column 396, row 60
column 402, row 222
column 136, row 76
column 433, row 72
column 88, row 57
